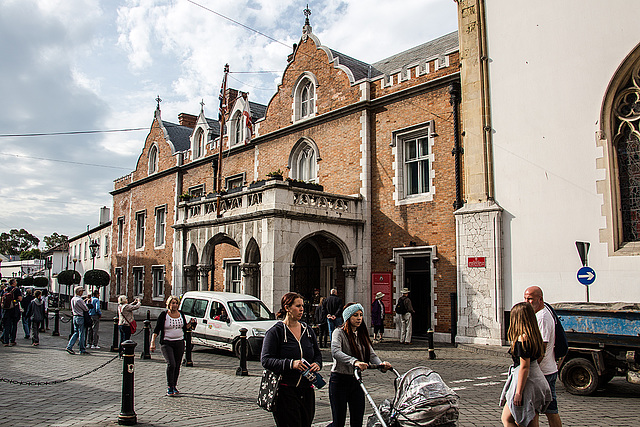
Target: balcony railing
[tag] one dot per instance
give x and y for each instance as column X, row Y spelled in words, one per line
column 271, row 198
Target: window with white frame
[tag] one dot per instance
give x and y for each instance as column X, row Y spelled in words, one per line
column 153, row 159
column 84, row 250
column 118, row 274
column 120, row 234
column 237, row 128
column 233, row 275
column 158, row 280
column 305, row 98
column 138, row 280
column 161, row 213
column 306, row 165
column 198, row 144
column 413, row 149
column 140, row 219
column 106, row 245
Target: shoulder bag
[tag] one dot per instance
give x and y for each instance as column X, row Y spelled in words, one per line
column 132, row 325
column 268, row 390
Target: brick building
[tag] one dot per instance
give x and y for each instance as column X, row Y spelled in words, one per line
column 365, row 202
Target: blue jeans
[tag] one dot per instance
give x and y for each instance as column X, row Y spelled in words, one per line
column 10, row 326
column 553, row 406
column 26, row 321
column 79, row 334
column 333, row 324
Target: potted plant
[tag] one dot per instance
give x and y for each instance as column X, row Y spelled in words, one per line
column 305, row 184
column 185, row 197
column 256, row 184
column 277, row 175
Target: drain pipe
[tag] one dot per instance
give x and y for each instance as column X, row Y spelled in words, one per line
column 454, row 100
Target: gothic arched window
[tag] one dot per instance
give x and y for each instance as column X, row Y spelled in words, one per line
column 153, row 160
column 303, row 161
column 305, row 97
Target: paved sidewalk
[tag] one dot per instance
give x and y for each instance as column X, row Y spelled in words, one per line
column 211, row 393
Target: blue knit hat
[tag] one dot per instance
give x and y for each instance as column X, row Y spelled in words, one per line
column 350, row 311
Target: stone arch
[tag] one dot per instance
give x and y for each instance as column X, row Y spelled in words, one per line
column 213, row 268
column 191, row 269
column 251, row 268
column 620, row 125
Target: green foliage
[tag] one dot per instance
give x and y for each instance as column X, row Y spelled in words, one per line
column 17, row 241
column 276, row 173
column 31, row 254
column 54, row 240
column 41, row 282
column 69, row 277
column 25, row 281
column 96, row 278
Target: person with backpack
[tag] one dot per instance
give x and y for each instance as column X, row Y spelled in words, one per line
column 547, row 325
column 405, row 310
column 10, row 312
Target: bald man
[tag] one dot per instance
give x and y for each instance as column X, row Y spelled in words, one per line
column 548, row 366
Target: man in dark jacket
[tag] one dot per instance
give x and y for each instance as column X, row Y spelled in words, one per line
column 333, row 308
column 10, row 316
column 26, row 317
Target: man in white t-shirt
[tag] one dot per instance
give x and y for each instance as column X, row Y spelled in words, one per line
column 548, row 366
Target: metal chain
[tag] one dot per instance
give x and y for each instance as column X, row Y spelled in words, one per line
column 38, row 383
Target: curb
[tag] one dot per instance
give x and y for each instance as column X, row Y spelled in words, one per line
column 497, row 351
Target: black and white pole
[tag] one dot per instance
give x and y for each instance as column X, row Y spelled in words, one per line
column 147, row 338
column 432, row 352
column 127, row 415
column 116, row 334
column 56, row 322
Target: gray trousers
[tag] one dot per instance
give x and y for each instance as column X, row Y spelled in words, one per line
column 93, row 332
column 405, row 328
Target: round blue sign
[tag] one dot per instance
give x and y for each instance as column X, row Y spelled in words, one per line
column 586, row 276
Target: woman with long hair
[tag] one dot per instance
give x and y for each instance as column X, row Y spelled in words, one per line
column 290, row 347
column 171, row 327
column 526, row 393
column 350, row 349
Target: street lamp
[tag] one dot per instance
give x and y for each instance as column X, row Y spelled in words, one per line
column 93, row 247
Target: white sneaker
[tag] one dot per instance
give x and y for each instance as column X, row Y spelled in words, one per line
column 96, row 347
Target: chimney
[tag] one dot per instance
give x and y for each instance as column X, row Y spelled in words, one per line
column 105, row 214
column 188, row 120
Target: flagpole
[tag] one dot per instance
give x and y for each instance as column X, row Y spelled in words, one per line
column 223, row 111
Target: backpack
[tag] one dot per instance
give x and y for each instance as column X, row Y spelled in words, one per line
column 561, row 344
column 401, row 307
column 8, row 303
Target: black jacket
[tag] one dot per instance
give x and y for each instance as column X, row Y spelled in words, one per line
column 333, row 305
column 280, row 348
column 159, row 330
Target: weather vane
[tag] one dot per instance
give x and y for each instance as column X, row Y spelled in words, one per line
column 307, row 12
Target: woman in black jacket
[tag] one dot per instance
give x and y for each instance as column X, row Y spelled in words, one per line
column 289, row 348
column 171, row 326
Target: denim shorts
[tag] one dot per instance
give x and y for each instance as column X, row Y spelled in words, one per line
column 553, row 406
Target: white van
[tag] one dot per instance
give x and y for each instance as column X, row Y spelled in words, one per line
column 220, row 317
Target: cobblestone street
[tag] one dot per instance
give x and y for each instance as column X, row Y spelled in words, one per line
column 211, row 393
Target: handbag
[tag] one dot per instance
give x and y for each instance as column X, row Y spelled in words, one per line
column 133, row 325
column 268, row 390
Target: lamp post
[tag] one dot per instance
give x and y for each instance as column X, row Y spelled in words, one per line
column 93, row 247
column 74, row 269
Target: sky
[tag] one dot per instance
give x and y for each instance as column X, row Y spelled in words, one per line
column 69, row 66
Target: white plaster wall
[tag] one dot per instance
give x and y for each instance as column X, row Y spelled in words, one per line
column 550, row 64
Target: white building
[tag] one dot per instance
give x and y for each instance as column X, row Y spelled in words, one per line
column 80, row 256
column 551, row 112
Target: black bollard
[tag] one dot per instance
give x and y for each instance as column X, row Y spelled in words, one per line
column 188, row 348
column 242, row 369
column 71, row 326
column 432, row 352
column 56, row 323
column 127, row 415
column 147, row 339
column 116, row 335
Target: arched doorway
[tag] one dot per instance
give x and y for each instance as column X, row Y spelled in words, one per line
column 251, row 269
column 220, row 269
column 317, row 264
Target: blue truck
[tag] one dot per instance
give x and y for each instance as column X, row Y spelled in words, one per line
column 604, row 341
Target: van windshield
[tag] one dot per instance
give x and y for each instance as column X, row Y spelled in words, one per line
column 245, row 311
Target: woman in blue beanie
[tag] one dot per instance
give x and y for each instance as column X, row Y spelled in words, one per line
column 350, row 349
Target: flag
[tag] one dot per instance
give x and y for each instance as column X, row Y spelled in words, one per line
column 222, row 108
column 248, row 125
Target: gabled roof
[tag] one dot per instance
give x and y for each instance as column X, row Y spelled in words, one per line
column 258, row 111
column 431, row 49
column 359, row 69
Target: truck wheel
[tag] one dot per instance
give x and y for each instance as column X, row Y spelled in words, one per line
column 579, row 376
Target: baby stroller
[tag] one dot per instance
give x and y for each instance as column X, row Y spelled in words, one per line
column 421, row 399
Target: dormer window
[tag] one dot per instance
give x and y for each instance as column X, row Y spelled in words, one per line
column 305, row 97
column 198, row 144
column 236, row 128
column 153, row 160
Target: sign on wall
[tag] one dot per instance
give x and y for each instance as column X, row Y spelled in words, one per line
column 381, row 282
column 476, row 262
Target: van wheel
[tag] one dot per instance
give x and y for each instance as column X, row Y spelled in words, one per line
column 579, row 377
column 236, row 350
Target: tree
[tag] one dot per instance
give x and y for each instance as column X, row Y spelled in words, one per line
column 31, row 254
column 69, row 277
column 17, row 241
column 40, row 282
column 97, row 278
column 54, row 240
